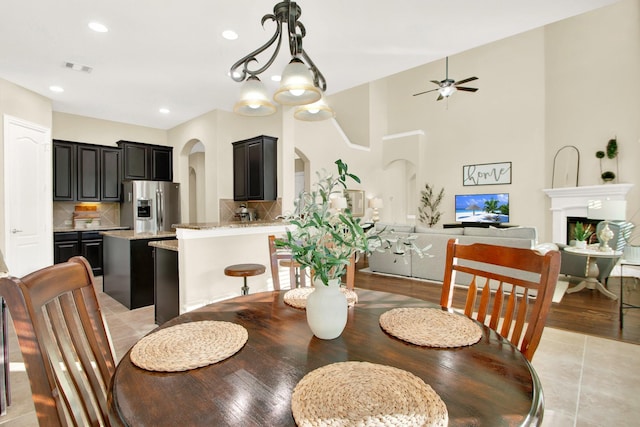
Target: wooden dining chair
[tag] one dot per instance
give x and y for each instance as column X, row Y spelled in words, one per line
column 493, row 273
column 64, row 341
column 282, row 257
column 279, row 256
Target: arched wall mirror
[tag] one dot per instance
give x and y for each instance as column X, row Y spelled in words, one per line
column 566, row 166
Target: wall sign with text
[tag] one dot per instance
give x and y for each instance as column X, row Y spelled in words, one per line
column 487, row 174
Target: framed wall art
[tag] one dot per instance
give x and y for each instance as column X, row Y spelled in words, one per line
column 486, row 174
column 355, row 201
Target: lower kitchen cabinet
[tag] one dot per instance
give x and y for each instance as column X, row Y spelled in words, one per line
column 67, row 244
column 129, row 270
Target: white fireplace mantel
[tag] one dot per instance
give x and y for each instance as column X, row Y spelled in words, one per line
column 573, row 201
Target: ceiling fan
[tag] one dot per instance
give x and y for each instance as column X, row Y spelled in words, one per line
column 448, row 86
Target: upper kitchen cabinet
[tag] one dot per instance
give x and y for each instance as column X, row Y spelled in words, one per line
column 64, row 171
column 86, row 172
column 255, row 169
column 111, row 173
column 147, row 162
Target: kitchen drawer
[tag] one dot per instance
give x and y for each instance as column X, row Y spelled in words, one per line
column 90, row 235
column 65, row 236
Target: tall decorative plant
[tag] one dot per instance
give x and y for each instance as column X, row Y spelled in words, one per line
column 429, row 210
column 322, row 238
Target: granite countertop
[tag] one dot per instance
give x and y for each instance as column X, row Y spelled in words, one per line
column 132, row 235
column 171, row 245
column 99, row 228
column 229, row 224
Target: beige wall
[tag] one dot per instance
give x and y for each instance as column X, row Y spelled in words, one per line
column 593, row 92
column 26, row 105
column 71, row 127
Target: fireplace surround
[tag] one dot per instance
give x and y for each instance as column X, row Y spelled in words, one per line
column 572, row 202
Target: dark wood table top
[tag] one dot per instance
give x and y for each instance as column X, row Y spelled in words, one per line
column 487, row 384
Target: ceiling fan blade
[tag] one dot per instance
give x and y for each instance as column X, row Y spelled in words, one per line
column 435, row 81
column 467, row 89
column 467, row 80
column 426, row 91
column 440, row 97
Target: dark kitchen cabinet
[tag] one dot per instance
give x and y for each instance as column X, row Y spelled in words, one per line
column 88, row 244
column 146, row 161
column 110, row 174
column 255, row 169
column 166, row 283
column 64, row 171
column 162, row 164
column 86, row 172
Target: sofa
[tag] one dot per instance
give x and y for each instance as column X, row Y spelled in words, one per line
column 430, row 266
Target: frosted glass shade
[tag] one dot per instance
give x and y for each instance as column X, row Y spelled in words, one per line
column 314, row 112
column 253, row 99
column 296, row 85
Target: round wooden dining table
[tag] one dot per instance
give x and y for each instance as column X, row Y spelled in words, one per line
column 489, row 383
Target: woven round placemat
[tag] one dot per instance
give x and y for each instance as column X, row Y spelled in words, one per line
column 297, row 297
column 188, row 346
column 430, row 327
column 365, row 394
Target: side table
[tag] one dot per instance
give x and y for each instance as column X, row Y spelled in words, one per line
column 625, row 305
column 592, row 271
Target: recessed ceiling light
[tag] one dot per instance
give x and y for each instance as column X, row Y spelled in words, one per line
column 164, row 110
column 276, row 78
column 98, row 27
column 57, row 89
column 229, row 34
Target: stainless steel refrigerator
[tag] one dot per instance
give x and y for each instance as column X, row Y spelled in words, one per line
column 150, row 206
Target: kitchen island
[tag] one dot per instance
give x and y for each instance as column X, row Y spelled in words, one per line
column 205, row 249
column 128, row 266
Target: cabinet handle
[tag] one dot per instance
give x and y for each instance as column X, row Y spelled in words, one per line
column 15, row 230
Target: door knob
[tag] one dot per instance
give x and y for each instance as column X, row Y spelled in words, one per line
column 15, row 230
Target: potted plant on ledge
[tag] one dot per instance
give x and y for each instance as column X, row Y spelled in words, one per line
column 324, row 240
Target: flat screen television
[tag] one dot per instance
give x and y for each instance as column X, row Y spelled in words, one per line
column 485, row 208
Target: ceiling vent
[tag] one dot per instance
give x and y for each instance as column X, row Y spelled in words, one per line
column 78, row 67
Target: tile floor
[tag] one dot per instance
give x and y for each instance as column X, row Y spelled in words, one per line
column 587, row 381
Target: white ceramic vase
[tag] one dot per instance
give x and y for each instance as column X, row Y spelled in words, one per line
column 327, row 310
column 581, row 244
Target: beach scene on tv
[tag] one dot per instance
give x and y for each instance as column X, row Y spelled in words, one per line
column 493, row 208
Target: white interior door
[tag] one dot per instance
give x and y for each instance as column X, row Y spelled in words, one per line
column 28, row 196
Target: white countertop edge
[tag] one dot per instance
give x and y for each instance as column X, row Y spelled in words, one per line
column 186, row 234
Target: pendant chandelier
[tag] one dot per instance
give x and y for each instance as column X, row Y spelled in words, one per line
column 302, row 84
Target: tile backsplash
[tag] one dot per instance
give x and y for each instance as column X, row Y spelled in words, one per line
column 266, row 210
column 63, row 213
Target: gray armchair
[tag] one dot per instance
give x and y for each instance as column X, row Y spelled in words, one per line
column 575, row 265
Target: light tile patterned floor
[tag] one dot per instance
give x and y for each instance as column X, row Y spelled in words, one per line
column 587, row 381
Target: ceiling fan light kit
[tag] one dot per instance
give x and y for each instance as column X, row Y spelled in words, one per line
column 302, row 83
column 448, row 87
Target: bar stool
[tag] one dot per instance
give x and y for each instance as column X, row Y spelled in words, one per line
column 244, row 271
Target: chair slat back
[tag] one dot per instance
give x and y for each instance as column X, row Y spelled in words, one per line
column 275, row 255
column 516, row 287
column 64, row 341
